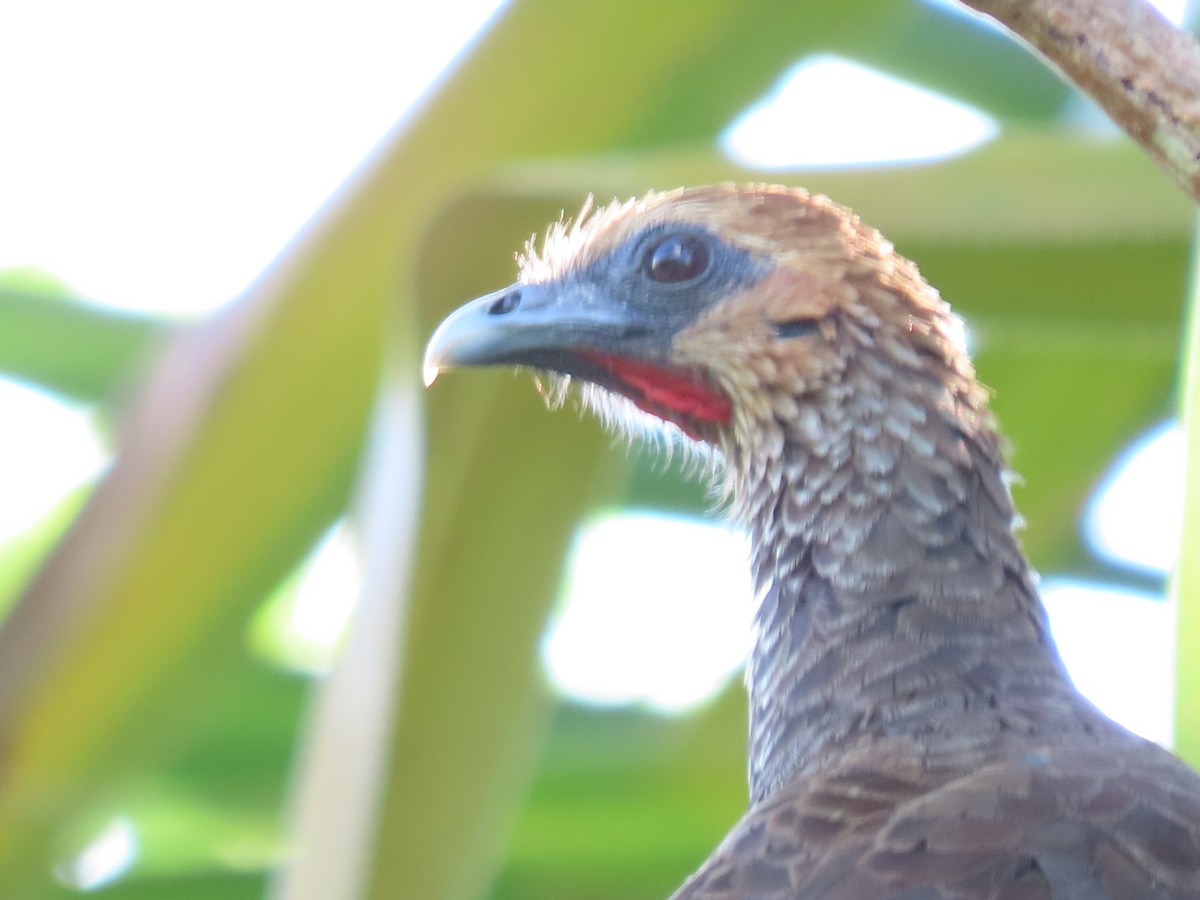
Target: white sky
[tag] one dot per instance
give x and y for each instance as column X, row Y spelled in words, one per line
column 156, row 156
column 802, row 120
column 668, row 627
column 1141, row 541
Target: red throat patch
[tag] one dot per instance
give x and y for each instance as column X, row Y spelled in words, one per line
column 682, row 397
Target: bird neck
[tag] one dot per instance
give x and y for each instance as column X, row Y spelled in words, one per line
column 894, row 601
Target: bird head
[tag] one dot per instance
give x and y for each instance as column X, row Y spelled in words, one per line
column 736, row 313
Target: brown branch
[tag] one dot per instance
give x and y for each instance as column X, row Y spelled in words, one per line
column 1142, row 70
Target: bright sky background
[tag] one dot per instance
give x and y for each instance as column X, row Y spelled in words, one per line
column 765, row 135
column 156, row 156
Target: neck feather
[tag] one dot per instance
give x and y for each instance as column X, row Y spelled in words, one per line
column 894, row 601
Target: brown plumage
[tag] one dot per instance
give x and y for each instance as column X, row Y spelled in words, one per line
column 912, row 731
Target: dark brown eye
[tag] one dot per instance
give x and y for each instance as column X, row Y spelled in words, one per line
column 676, row 258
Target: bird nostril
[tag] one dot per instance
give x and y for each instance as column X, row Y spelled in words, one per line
column 505, row 304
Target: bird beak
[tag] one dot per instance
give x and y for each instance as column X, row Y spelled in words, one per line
column 578, row 329
column 540, row 325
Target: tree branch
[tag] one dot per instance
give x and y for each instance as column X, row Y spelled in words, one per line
column 1142, row 70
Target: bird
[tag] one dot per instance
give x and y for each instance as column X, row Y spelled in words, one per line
column 913, row 733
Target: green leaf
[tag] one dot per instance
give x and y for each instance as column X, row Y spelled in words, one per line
column 238, row 453
column 1185, row 586
column 49, row 338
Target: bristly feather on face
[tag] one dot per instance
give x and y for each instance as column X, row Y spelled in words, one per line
column 562, row 252
column 831, row 281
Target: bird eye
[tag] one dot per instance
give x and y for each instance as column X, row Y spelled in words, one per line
column 676, row 258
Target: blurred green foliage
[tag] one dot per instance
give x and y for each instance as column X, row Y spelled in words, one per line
column 126, row 684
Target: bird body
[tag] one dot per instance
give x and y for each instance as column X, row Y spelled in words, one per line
column 913, row 733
